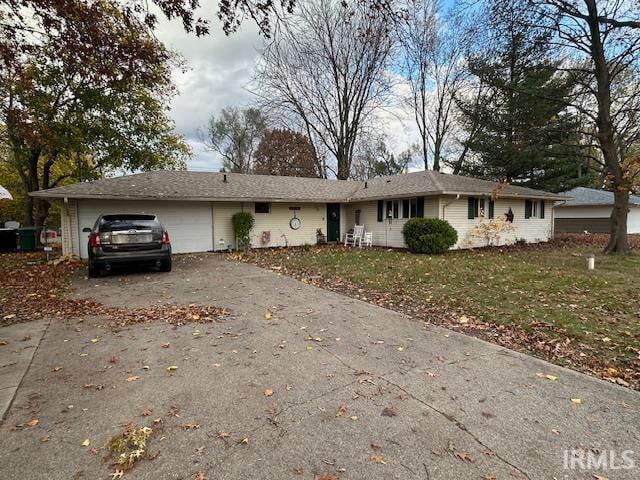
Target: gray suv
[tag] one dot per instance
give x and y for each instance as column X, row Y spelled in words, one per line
column 127, row 239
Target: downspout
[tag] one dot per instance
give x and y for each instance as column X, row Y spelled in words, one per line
column 449, row 203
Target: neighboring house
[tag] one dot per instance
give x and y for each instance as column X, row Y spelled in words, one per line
column 196, row 207
column 590, row 210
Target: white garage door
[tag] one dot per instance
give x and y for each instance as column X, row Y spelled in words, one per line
column 188, row 223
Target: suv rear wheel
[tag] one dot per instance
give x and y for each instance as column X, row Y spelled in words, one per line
column 93, row 270
column 165, row 266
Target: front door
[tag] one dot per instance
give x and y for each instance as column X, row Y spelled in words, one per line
column 333, row 222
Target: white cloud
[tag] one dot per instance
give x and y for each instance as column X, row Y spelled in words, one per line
column 218, row 70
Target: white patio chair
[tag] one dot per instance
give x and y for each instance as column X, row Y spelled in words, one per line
column 355, row 238
column 367, row 239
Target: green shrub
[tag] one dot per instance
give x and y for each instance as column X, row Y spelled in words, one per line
column 242, row 225
column 429, row 235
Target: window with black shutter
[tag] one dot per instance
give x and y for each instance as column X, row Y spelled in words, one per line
column 413, row 210
column 492, row 209
column 541, row 208
column 474, row 206
column 405, row 208
column 420, row 207
column 528, row 208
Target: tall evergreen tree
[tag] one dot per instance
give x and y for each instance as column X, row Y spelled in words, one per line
column 526, row 135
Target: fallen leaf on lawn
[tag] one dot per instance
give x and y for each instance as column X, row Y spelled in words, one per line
column 223, row 434
column 612, row 372
column 200, row 475
column 341, row 410
column 576, row 401
column 172, row 368
column 268, row 392
column 9, row 317
column 553, row 378
column 463, row 319
column 388, row 412
column 133, row 379
column 606, row 339
column 378, row 459
column 86, row 443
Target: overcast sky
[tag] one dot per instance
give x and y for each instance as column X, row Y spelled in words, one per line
column 218, row 71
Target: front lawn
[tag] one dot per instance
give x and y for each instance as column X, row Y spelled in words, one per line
column 541, row 300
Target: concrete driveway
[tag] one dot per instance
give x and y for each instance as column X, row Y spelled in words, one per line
column 327, row 386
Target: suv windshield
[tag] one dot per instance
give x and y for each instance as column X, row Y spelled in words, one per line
column 110, row 223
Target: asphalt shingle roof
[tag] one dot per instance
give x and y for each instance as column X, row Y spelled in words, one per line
column 583, row 196
column 207, row 186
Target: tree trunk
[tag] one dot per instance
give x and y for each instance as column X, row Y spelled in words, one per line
column 27, row 207
column 618, row 243
column 42, row 211
column 606, row 137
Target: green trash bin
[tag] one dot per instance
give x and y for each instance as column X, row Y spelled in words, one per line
column 27, row 239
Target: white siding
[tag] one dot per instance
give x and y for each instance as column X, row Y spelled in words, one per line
column 582, row 212
column 188, row 223
column 633, row 221
column 530, row 229
column 387, row 233
column 69, row 227
column 312, row 216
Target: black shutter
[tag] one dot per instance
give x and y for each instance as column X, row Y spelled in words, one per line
column 420, row 207
column 380, row 210
column 541, row 208
column 396, row 208
column 471, row 204
column 528, row 207
column 405, row 209
column 491, row 208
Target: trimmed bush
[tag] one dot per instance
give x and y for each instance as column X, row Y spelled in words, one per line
column 429, row 235
column 242, row 225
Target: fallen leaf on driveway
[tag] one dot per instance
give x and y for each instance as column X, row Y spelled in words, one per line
column 166, row 345
column 378, row 459
column 576, row 401
column 354, row 418
column 223, row 434
column 267, row 316
column 86, row 443
column 459, row 454
column 33, row 423
column 133, row 378
column 245, row 441
column 489, row 476
column 553, row 378
column 94, row 340
column 200, row 475
column 117, row 474
column 268, row 392
column 388, row 412
column 401, row 349
column 341, row 410
column 191, row 426
column 172, row 368
column 325, row 476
